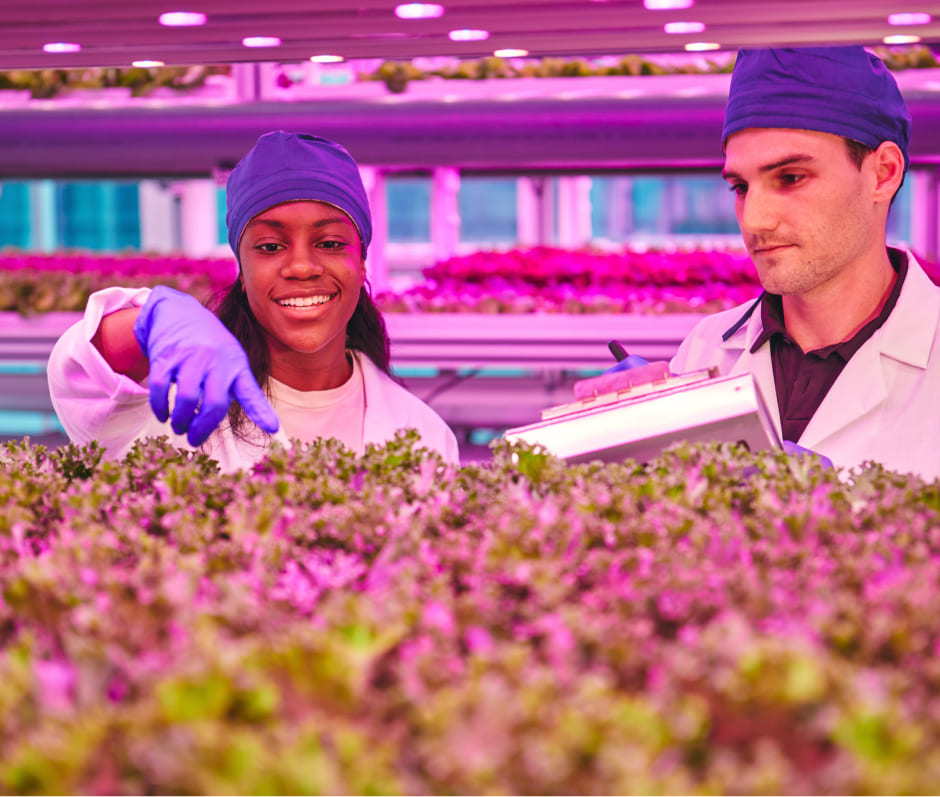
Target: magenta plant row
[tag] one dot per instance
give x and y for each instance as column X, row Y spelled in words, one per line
column 710, row 622
column 545, row 265
column 539, row 279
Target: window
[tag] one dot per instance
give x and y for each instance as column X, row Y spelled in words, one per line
column 488, row 209
column 15, row 222
column 643, row 206
column 101, row 216
column 409, row 208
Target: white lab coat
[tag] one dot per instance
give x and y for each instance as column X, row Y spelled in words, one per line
column 884, row 406
column 94, row 402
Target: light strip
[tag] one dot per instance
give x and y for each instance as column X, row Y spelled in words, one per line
column 667, row 5
column 684, row 27
column 261, row 41
column 182, row 19
column 909, row 18
column 468, row 35
column 419, row 11
column 61, row 47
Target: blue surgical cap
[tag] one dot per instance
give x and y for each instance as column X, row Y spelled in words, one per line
column 846, row 91
column 286, row 167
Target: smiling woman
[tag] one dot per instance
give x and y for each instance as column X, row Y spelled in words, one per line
column 295, row 349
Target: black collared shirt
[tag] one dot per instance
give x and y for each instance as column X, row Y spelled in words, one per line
column 802, row 380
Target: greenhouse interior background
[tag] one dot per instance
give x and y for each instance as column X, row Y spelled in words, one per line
column 598, row 158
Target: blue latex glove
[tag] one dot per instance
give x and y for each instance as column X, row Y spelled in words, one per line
column 187, row 344
column 792, row 448
column 630, row 361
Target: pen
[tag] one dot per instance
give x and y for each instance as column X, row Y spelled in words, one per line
column 619, row 352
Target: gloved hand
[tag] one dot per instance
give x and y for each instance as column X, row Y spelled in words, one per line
column 627, row 363
column 187, row 344
column 792, row 448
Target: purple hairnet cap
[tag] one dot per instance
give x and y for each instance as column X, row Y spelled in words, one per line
column 285, row 167
column 846, row 91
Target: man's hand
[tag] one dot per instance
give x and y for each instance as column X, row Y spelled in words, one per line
column 792, row 448
column 628, row 363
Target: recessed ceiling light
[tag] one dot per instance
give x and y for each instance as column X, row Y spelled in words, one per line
column 147, row 63
column 261, row 41
column 698, row 47
column 684, row 27
column 468, row 35
column 901, row 38
column 909, row 18
column 61, row 47
column 419, row 11
column 509, row 52
column 667, row 5
column 179, row 19
column 326, row 59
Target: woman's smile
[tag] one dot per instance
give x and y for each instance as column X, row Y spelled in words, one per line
column 307, row 302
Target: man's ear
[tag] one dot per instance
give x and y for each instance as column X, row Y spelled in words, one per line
column 888, row 163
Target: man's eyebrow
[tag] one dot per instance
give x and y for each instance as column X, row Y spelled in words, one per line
column 769, row 167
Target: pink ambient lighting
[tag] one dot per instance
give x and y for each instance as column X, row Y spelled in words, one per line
column 684, row 27
column 419, row 11
column 909, row 18
column 468, row 35
column 61, row 47
column 261, row 41
column 667, row 5
column 182, row 19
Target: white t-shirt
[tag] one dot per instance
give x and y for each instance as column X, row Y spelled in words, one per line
column 338, row 412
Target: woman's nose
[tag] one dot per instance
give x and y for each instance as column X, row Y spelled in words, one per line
column 303, row 264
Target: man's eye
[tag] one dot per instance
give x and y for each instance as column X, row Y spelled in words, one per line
column 790, row 179
column 738, row 188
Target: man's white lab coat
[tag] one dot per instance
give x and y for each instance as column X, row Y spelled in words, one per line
column 884, row 406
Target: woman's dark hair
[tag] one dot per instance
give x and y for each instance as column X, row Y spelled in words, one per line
column 365, row 332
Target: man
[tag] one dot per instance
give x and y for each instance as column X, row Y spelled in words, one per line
column 846, row 335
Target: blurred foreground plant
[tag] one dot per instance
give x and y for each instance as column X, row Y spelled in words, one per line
column 327, row 623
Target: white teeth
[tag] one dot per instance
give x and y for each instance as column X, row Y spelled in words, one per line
column 307, row 301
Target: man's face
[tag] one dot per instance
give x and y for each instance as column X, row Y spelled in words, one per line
column 805, row 210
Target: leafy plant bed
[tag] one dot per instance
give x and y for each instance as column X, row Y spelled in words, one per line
column 31, row 284
column 711, row 622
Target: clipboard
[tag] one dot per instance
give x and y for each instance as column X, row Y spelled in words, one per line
column 639, row 421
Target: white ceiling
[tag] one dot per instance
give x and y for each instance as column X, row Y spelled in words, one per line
column 116, row 32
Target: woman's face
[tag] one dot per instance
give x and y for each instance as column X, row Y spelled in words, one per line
column 302, row 270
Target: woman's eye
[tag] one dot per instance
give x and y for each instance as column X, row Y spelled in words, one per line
column 332, row 244
column 270, row 247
